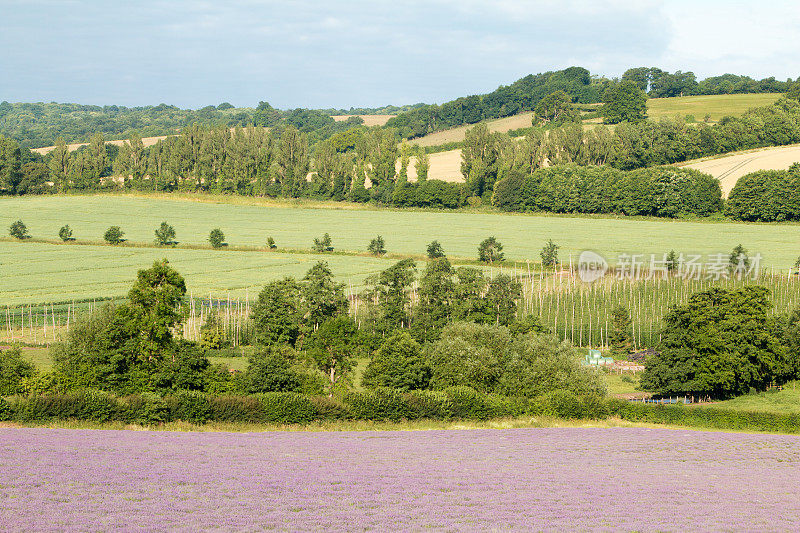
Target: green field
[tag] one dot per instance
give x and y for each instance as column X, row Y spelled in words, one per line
column 772, row 401
column 717, row 106
column 38, row 272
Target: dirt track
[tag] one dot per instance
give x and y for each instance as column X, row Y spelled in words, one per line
column 730, row 168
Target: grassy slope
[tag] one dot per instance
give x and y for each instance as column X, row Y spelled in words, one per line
column 35, row 272
column 717, row 106
column 774, row 401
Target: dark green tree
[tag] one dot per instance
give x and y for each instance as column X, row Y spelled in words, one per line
column 721, row 343
column 334, row 347
column 322, row 297
column 216, row 238
column 153, row 307
column 271, row 243
column 270, row 370
column 19, row 230
column 549, row 254
column 10, row 165
column 625, row 102
column 490, row 251
column 165, row 235
column 620, row 338
column 325, row 244
column 114, row 235
column 398, row 364
column 739, row 261
column 14, row 370
column 437, row 293
column 65, row 233
column 277, row 313
column 435, row 250
column 501, row 299
column 391, row 290
column 377, row 246
column 555, row 108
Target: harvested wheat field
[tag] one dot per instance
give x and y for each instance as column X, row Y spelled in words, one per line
column 147, row 141
column 728, row 169
column 369, row 120
column 445, row 166
column 502, row 125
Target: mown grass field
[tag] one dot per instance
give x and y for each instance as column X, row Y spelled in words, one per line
column 39, row 272
column 717, row 106
column 773, row 401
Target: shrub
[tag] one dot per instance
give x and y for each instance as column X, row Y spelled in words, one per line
column 65, row 233
column 271, row 243
column 5, row 410
column 19, row 230
column 467, row 403
column 189, row 406
column 286, row 407
column 236, row 409
column 13, row 372
column 113, row 235
column 86, row 404
column 330, row 408
column 143, row 409
column 559, row 404
column 378, row 404
column 434, row 405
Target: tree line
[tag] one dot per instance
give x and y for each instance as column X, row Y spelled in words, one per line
column 455, row 328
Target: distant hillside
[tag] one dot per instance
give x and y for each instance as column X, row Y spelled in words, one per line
column 505, row 101
column 36, row 125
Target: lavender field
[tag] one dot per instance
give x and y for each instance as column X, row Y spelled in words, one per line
column 517, row 479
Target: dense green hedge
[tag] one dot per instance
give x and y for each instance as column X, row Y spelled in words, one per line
column 657, row 191
column 709, row 417
column 380, row 404
column 430, row 193
column 766, row 196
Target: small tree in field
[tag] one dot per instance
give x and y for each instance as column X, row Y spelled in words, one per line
column 217, row 238
column 65, row 233
column 490, row 251
column 549, row 254
column 271, row 243
column 672, row 261
column 165, row 235
column 435, row 250
column 113, row 235
column 19, row 230
column 324, row 244
column 377, row 246
column 739, row 261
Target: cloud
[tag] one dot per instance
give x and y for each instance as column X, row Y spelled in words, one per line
column 359, row 53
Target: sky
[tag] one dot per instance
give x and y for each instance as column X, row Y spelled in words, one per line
column 323, row 54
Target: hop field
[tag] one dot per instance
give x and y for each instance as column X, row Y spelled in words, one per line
column 630, row 479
